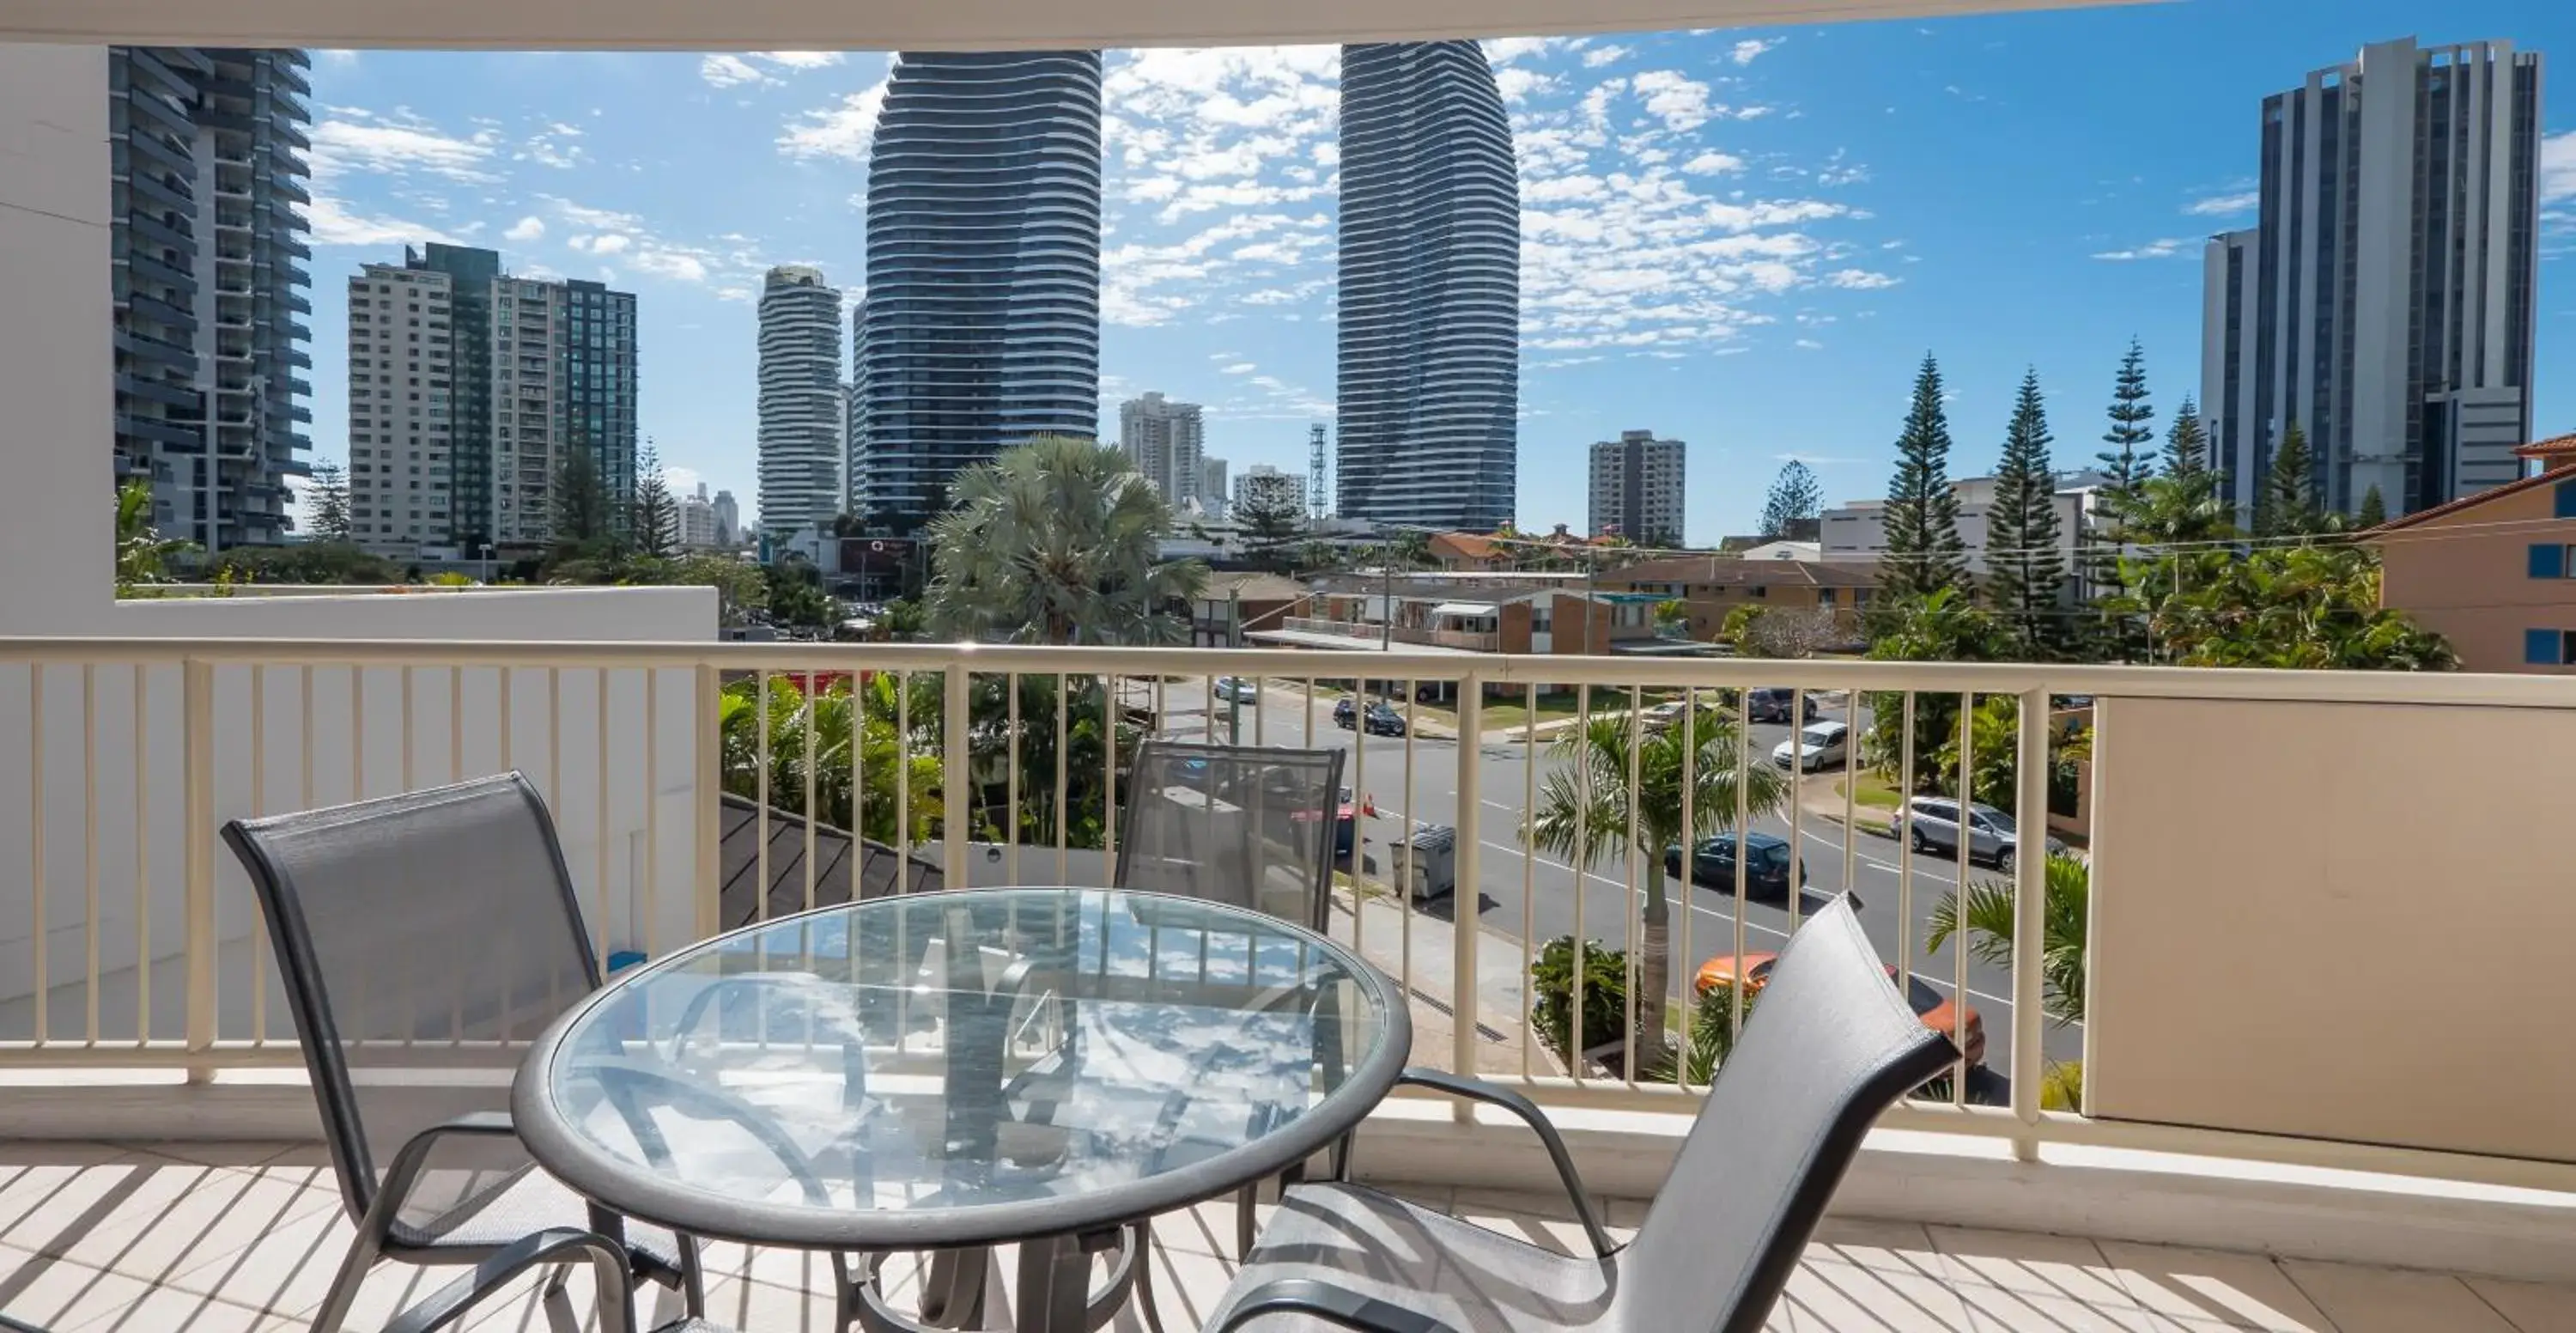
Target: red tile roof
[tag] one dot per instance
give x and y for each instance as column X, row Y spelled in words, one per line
column 2465, row 502
column 1465, row 545
column 2557, row 446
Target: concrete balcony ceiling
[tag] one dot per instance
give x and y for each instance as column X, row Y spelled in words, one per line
column 881, row 24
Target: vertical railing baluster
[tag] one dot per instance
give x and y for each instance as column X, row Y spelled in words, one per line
column 89, row 838
column 1633, row 929
column 1743, row 822
column 1063, row 774
column 410, row 774
column 652, row 737
column 142, row 857
column 1527, row 834
column 1011, row 783
column 706, row 886
column 903, row 784
column 197, row 703
column 1903, row 827
column 760, row 794
column 37, row 939
column 1798, row 805
column 1582, row 860
column 1466, row 904
column 956, row 783
column 1684, row 887
column 600, row 819
column 1967, row 794
column 812, row 763
column 2030, row 918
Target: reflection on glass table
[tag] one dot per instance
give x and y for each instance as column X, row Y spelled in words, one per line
column 964, row 1069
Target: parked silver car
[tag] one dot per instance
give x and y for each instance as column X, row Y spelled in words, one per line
column 1932, row 825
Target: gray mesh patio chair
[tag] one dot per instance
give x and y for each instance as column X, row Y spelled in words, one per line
column 1832, row 1047
column 433, row 930
column 1251, row 826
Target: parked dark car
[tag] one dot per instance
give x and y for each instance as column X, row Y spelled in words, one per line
column 1346, row 714
column 1383, row 720
column 1766, row 858
column 1773, row 705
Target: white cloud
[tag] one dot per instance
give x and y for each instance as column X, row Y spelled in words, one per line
column 1505, row 50
column 727, row 71
column 2225, row 205
column 730, row 71
column 334, row 224
column 611, row 244
column 844, row 130
column 528, row 228
column 2165, row 248
column 1751, row 49
column 1681, row 102
column 1713, row 163
column 1809, row 344
column 360, row 142
column 1516, row 84
column 1606, row 55
column 1859, row 279
column 2558, row 167
column 1238, row 368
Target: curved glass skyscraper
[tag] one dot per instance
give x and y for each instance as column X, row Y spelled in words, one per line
column 800, row 399
column 982, row 323
column 1430, row 289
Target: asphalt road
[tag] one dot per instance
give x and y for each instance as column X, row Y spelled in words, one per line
column 1535, row 899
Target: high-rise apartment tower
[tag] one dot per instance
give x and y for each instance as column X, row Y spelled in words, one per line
column 2383, row 301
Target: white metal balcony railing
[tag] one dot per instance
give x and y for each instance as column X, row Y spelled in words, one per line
column 140, row 946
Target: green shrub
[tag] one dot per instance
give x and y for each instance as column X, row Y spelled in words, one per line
column 1605, row 996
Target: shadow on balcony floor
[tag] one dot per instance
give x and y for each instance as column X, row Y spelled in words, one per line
column 242, row 1238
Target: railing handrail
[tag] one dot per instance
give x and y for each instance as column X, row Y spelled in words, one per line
column 2161, row 682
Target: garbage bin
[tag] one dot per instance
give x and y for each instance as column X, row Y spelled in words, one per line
column 1429, row 855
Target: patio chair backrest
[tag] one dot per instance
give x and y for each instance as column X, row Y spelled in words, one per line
column 433, row 929
column 1831, row 1047
column 1251, row 826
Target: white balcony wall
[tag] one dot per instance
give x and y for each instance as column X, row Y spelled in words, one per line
column 57, row 391
column 313, row 735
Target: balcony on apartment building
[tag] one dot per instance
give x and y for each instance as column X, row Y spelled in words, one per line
column 2271, row 1128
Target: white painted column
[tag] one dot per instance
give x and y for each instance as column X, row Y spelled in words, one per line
column 57, row 437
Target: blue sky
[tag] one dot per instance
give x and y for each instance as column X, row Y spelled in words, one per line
column 1741, row 238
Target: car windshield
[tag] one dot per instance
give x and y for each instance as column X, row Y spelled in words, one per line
column 1995, row 819
column 1824, row 733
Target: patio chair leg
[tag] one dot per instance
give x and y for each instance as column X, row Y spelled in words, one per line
column 1244, row 1200
column 558, row 1302
column 344, row 1285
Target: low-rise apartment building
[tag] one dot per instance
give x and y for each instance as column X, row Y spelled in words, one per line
column 2494, row 572
column 1710, row 587
column 1496, row 613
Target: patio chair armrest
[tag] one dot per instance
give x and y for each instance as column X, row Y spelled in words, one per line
column 1480, row 1091
column 560, row 1245
column 1331, row 1304
column 413, row 1157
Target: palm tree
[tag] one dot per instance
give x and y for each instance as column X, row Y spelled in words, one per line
column 1058, row 541
column 1586, row 804
column 872, row 709
column 142, row 554
column 1986, row 923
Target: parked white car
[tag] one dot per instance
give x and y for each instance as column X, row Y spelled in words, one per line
column 1821, row 745
column 1238, row 690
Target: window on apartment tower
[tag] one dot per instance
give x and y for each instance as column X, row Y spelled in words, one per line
column 2552, row 560
column 2549, row 647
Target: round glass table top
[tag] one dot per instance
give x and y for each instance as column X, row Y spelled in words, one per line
column 962, row 1067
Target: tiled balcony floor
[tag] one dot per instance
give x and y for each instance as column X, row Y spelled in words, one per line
column 237, row 1238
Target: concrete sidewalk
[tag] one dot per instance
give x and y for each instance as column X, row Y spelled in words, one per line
column 1419, row 950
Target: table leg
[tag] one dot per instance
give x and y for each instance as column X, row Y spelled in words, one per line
column 1054, row 1286
column 952, row 1292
